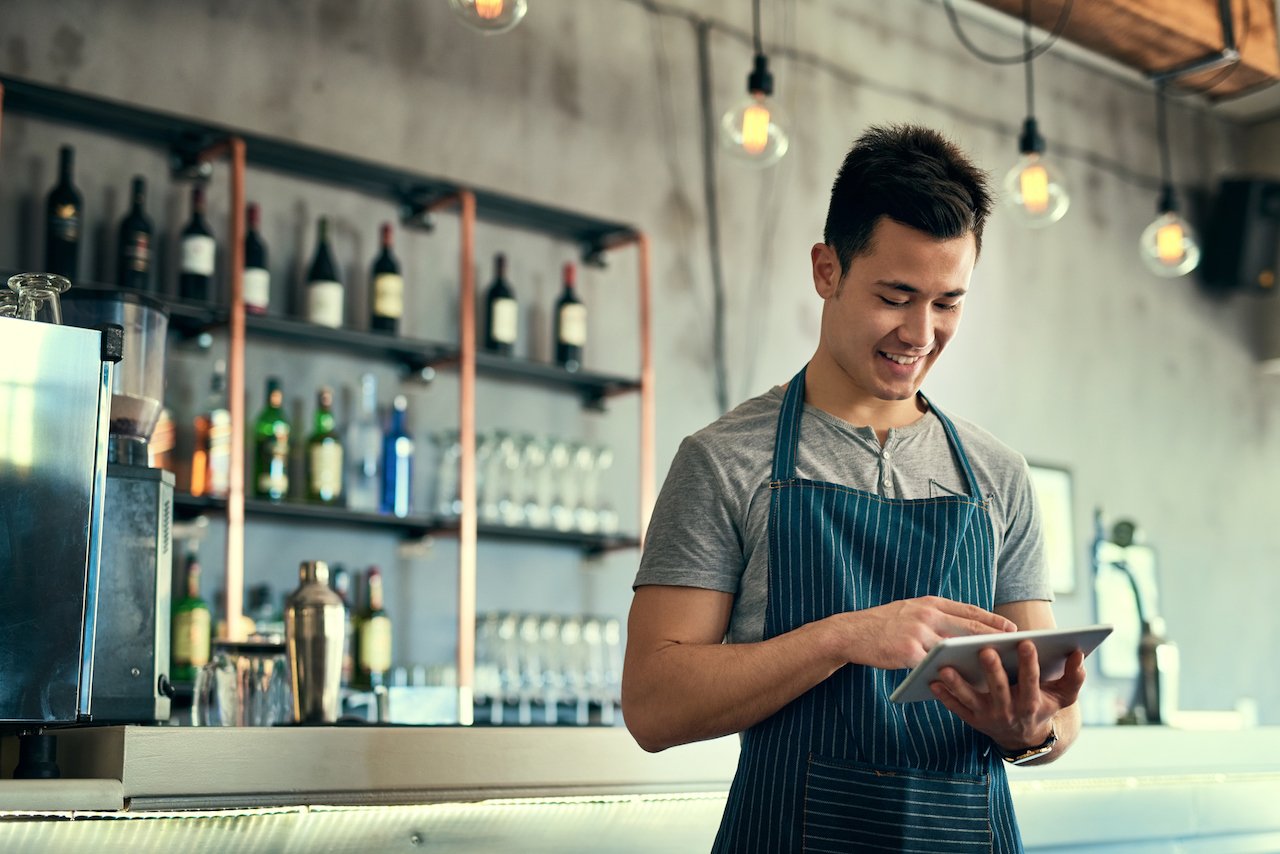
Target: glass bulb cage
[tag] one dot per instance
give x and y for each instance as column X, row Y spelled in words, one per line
column 490, row 16
column 1168, row 246
column 752, row 131
column 1034, row 191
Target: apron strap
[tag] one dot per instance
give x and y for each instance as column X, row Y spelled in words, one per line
column 786, row 440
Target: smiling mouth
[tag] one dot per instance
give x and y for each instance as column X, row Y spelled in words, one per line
column 901, row 360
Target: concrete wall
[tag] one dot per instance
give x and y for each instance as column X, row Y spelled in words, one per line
column 1146, row 389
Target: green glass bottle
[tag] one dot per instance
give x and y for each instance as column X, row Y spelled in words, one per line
column 271, row 447
column 374, row 647
column 192, row 622
column 324, row 454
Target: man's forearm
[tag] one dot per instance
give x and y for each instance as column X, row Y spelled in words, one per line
column 691, row 692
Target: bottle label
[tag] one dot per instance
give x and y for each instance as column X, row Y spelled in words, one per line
column 375, row 645
column 219, row 476
column 64, row 224
column 274, row 476
column 137, row 252
column 191, row 637
column 326, row 470
column 257, row 287
column 198, row 251
column 505, row 319
column 388, row 295
column 573, row 324
column 324, row 303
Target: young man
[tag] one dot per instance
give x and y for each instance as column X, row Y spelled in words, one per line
column 835, row 529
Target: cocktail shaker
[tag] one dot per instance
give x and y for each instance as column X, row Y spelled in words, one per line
column 314, row 628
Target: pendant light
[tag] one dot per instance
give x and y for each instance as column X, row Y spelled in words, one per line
column 1033, row 189
column 490, row 16
column 752, row 130
column 1168, row 245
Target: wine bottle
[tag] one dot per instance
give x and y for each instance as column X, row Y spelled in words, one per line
column 502, row 312
column 397, row 462
column 211, row 460
column 133, row 255
column 271, row 453
column 364, row 446
column 570, row 324
column 324, row 454
column 192, row 624
column 387, row 287
column 257, row 281
column 325, row 295
column 340, row 580
column 64, row 213
column 375, row 637
column 198, row 253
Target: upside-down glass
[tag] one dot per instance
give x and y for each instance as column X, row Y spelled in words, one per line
column 39, row 296
column 245, row 683
column 8, row 303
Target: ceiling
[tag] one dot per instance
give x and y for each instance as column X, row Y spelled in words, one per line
column 1149, row 37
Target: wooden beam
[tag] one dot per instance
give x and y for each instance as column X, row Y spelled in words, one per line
column 1153, row 36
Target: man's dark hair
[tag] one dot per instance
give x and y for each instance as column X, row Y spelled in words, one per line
column 913, row 175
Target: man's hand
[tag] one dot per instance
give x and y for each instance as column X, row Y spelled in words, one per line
column 1013, row 716
column 897, row 635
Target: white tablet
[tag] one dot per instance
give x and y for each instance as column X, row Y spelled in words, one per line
column 1052, row 645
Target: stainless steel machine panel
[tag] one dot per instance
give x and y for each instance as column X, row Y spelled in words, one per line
column 52, row 456
column 132, row 649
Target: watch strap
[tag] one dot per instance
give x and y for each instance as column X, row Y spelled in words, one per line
column 1026, row 754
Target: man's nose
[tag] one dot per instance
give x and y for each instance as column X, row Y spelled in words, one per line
column 917, row 330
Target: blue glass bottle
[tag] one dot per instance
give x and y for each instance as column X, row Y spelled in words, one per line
column 397, row 462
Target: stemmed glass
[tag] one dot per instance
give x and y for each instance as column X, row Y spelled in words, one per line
column 448, row 499
column 39, row 296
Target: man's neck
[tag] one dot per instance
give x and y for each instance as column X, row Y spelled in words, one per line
column 830, row 389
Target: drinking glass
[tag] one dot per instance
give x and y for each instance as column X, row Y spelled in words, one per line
column 245, row 683
column 39, row 296
column 539, row 487
column 606, row 514
column 8, row 303
column 448, row 500
column 559, row 462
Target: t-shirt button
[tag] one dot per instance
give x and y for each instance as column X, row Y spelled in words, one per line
column 886, row 455
column 888, row 484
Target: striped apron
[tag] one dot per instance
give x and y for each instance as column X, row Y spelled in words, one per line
column 841, row 768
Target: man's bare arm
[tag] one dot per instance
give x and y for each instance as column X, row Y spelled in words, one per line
column 681, row 684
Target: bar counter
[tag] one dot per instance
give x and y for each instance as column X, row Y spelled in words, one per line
column 1130, row 789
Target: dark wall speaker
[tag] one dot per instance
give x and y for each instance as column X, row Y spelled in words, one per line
column 1242, row 242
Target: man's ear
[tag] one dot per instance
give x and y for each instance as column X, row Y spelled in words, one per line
column 826, row 270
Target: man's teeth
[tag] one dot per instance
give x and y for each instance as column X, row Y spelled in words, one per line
column 902, row 360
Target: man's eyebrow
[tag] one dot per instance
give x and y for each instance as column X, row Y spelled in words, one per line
column 912, row 289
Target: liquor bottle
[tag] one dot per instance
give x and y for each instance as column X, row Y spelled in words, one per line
column 324, row 454
column 64, row 212
column 340, row 580
column 192, row 623
column 325, row 295
column 502, row 312
column 397, row 462
column 570, row 324
column 133, row 255
column 364, row 447
column 257, row 281
column 211, row 460
column 387, row 287
column 271, row 454
column 198, row 253
column 375, row 637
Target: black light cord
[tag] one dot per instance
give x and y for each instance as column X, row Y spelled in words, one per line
column 755, row 27
column 1028, row 53
column 1162, row 138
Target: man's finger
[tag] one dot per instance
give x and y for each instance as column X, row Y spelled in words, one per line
column 978, row 619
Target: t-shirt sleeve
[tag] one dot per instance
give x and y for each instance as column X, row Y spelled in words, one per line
column 1021, row 569
column 695, row 536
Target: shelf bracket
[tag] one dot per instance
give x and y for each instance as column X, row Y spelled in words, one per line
column 416, row 206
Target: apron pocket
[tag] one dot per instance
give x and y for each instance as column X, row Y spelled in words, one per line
column 853, row 807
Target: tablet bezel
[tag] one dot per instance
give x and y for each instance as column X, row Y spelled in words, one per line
column 1053, row 646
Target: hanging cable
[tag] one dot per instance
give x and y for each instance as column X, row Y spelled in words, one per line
column 1162, row 138
column 710, row 196
column 755, row 26
column 1028, row 53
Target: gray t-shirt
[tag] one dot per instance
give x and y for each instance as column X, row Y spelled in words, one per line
column 710, row 523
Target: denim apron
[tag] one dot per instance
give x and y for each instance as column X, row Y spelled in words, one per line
column 840, row 768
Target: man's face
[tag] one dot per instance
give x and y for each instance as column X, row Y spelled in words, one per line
column 888, row 319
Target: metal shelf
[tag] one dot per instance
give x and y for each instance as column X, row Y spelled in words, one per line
column 415, row 354
column 408, row 188
column 414, row 527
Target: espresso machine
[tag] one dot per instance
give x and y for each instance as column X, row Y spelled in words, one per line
column 131, row 683
column 55, row 398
